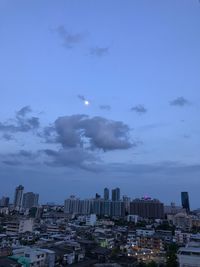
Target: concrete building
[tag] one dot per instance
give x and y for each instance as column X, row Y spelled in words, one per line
column 182, row 221
column 106, row 194
column 30, row 200
column 72, row 205
column 19, row 226
column 91, row 219
column 18, row 197
column 35, row 257
column 189, row 256
column 147, row 208
column 116, row 194
column 185, row 201
column 4, row 202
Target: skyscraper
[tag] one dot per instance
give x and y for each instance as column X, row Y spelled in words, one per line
column 30, row 200
column 116, row 194
column 106, row 193
column 185, row 201
column 18, row 197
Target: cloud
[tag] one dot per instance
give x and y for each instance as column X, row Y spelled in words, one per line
column 7, row 137
column 168, row 168
column 21, row 123
column 73, row 158
column 105, row 107
column 139, row 109
column 186, row 136
column 23, row 111
column 93, row 133
column 81, row 97
column 69, row 40
column 99, row 51
column 180, row 102
column 22, row 157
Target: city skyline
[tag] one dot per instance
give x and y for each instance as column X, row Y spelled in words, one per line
column 22, row 199
column 100, row 94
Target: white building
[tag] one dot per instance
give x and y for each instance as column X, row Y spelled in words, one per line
column 91, row 219
column 36, row 257
column 189, row 256
column 145, row 232
column 20, row 226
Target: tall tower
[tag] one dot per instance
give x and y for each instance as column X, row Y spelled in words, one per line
column 18, row 197
column 116, row 194
column 106, row 193
column 30, row 200
column 185, row 201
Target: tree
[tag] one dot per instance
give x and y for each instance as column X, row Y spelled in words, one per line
column 171, row 256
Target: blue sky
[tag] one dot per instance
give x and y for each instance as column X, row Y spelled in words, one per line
column 137, row 62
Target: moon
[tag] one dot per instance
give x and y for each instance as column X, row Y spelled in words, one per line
column 86, row 102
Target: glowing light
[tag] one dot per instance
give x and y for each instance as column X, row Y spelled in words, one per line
column 86, row 102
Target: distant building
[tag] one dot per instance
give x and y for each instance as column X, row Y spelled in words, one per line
column 183, row 221
column 185, row 201
column 4, row 202
column 18, row 197
column 173, row 209
column 72, row 205
column 106, row 194
column 30, row 200
column 116, row 194
column 91, row 219
column 147, row 208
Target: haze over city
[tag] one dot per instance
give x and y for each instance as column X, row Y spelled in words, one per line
column 100, row 94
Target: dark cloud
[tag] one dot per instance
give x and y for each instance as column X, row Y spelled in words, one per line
column 105, row 107
column 74, row 158
column 82, row 97
column 99, row 51
column 23, row 111
column 69, row 40
column 22, row 157
column 180, row 102
column 21, row 123
column 93, row 133
column 139, row 109
column 7, row 137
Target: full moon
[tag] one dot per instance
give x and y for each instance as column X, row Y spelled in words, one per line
column 86, row 102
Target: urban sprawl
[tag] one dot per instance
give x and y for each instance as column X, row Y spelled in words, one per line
column 105, row 231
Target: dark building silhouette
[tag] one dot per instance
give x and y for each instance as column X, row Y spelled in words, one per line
column 106, row 194
column 147, row 208
column 185, row 201
column 4, row 202
column 30, row 200
column 97, row 196
column 18, row 197
column 116, row 194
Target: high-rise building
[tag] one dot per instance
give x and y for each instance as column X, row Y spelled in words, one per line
column 97, row 196
column 116, row 194
column 147, row 208
column 30, row 200
column 4, row 202
column 72, row 205
column 185, row 201
column 106, row 194
column 18, row 197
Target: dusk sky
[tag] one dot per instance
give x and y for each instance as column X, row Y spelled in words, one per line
column 100, row 93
